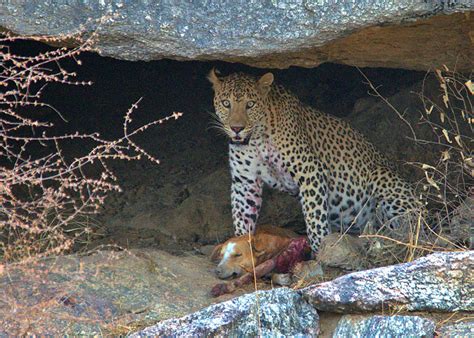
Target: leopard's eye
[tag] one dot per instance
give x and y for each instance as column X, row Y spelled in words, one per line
column 237, row 255
column 250, row 104
column 226, row 103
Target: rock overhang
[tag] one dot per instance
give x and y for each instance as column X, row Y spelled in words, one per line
column 410, row 34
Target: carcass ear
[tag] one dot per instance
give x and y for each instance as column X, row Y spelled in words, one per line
column 216, row 255
column 264, row 83
column 214, row 79
column 258, row 246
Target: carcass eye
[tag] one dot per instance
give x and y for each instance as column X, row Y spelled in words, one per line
column 237, row 255
column 226, row 103
column 250, row 104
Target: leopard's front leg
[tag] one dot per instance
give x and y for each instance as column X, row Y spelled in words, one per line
column 246, row 199
column 313, row 193
column 246, row 189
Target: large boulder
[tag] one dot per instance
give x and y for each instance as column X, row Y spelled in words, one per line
column 442, row 281
column 413, row 34
column 277, row 312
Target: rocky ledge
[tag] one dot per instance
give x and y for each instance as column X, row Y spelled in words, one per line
column 412, row 34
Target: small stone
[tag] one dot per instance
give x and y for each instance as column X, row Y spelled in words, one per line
column 308, row 270
column 283, row 279
column 207, row 249
column 343, row 251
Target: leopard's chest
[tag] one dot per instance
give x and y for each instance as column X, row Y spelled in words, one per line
column 261, row 161
column 272, row 170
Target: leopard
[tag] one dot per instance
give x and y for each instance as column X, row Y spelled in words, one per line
column 339, row 177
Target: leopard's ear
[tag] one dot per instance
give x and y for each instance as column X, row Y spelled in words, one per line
column 214, row 79
column 265, row 82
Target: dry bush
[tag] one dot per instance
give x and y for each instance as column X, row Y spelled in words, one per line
column 46, row 195
column 447, row 187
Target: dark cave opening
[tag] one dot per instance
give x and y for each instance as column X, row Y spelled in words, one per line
column 184, row 201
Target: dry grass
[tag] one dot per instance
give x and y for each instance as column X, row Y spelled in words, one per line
column 447, row 187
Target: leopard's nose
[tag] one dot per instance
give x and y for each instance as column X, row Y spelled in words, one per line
column 236, row 129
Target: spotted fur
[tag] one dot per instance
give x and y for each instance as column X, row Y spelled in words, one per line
column 338, row 176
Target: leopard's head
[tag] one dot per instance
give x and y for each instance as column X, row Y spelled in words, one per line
column 240, row 103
